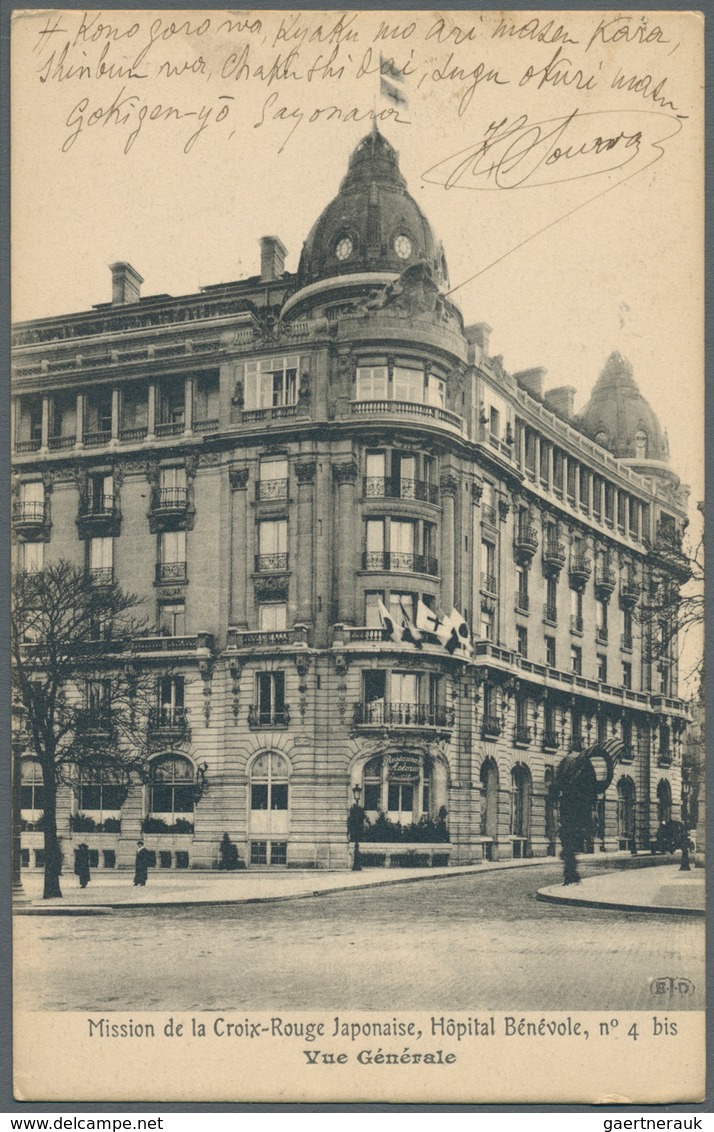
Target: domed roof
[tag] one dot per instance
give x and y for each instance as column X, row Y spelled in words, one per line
column 619, row 418
column 373, row 224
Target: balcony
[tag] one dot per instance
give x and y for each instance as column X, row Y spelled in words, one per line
column 554, row 556
column 550, row 614
column 580, row 570
column 168, row 722
column 604, row 582
column 271, row 489
column 489, row 583
column 271, row 563
column 97, row 439
column 98, row 516
column 276, row 413
column 170, row 428
column 410, row 408
column 59, row 443
column 664, row 758
column 521, row 735
column 399, row 562
column 576, row 624
column 525, row 542
column 629, row 594
column 491, row 727
column 627, row 754
column 551, row 741
column 268, row 717
column 209, row 424
column 32, row 445
column 384, row 714
column 93, row 723
column 577, row 743
column 171, row 572
column 101, row 575
column 181, row 644
column 488, row 514
column 169, row 501
column 135, row 434
column 29, row 518
column 381, row 487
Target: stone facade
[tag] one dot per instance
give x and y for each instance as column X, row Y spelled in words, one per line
column 264, row 461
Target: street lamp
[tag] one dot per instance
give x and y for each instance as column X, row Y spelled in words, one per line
column 356, row 824
column 18, row 720
column 686, row 789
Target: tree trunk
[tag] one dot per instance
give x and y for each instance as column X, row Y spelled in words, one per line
column 53, row 852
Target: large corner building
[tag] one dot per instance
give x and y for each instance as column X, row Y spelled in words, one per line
column 266, row 461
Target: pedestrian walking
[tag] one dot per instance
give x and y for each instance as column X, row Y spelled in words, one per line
column 81, row 864
column 141, row 865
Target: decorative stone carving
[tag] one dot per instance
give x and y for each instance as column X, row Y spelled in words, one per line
column 238, row 478
column 477, row 490
column 415, row 292
column 449, row 483
column 345, row 473
column 305, row 472
column 503, row 508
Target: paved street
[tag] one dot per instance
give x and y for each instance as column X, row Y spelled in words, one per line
column 475, row 942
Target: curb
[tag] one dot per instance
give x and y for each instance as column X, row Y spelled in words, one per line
column 547, row 897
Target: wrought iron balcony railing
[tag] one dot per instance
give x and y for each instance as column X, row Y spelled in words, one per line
column 101, row 575
column 383, row 487
column 604, row 581
column 170, row 499
column 166, row 720
column 269, row 563
column 526, row 541
column 136, row 433
column 580, row 569
column 550, row 613
column 171, row 572
column 399, row 561
column 271, row 489
column 28, row 515
column 629, row 593
column 551, row 740
column 57, row 443
column 521, row 734
column 268, row 717
column 489, row 583
column 492, row 726
column 32, row 445
column 554, row 555
column 98, row 506
column 390, row 714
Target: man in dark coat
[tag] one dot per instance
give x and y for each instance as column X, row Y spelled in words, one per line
column 141, row 869
column 81, row 864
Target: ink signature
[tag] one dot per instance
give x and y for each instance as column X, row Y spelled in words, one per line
column 517, row 153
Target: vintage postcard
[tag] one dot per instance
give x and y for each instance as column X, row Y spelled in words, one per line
column 357, row 454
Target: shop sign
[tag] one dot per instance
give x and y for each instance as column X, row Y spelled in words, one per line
column 404, row 767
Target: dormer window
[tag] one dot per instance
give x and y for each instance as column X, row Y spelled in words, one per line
column 344, row 248
column 403, row 246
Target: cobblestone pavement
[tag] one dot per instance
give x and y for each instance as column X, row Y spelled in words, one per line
column 478, row 942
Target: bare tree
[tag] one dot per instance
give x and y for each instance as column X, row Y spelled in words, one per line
column 74, row 675
column 672, row 606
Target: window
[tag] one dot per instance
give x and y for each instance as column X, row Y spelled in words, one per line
column 172, row 486
column 558, row 471
column 488, row 567
column 576, row 611
column 627, row 628
column 520, row 802
column 401, row 787
column 170, row 710
column 98, row 698
column 664, row 679
column 271, row 382
column 571, row 480
column 272, row 544
column 100, row 495
column 402, row 603
column 31, row 506
column 584, row 486
column 602, row 668
column 522, row 641
column 271, row 698
column 576, row 660
column 626, row 674
column 172, row 556
column 172, row 618
column 171, row 788
column 273, row 482
column 486, row 624
column 101, row 558
column 32, row 790
column 269, row 783
column 371, row 383
column 544, row 454
column 522, row 589
column 272, row 617
column 100, row 796
column 551, row 600
column 371, row 608
column 550, row 654
column 171, row 403
column 602, row 729
column 523, row 732
column 32, row 556
column 601, row 620
column 576, row 726
column 494, row 423
column 408, row 384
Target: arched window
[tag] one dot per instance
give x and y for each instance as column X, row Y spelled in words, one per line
column 100, row 797
column 269, row 783
column 626, row 813
column 32, row 790
column 400, row 785
column 520, row 801
column 664, row 801
column 171, row 787
column 489, row 799
column 641, row 444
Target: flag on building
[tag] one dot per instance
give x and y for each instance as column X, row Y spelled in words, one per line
column 391, row 84
column 410, row 632
column 393, row 630
column 427, row 619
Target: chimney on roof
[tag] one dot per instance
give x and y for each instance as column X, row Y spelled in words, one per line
column 272, row 258
column 479, row 333
column 532, row 380
column 561, row 401
column 126, row 284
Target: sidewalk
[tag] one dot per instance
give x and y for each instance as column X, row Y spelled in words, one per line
column 107, row 892
column 661, row 889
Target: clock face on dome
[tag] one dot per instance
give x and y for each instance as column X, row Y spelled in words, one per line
column 403, row 246
column 343, row 249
